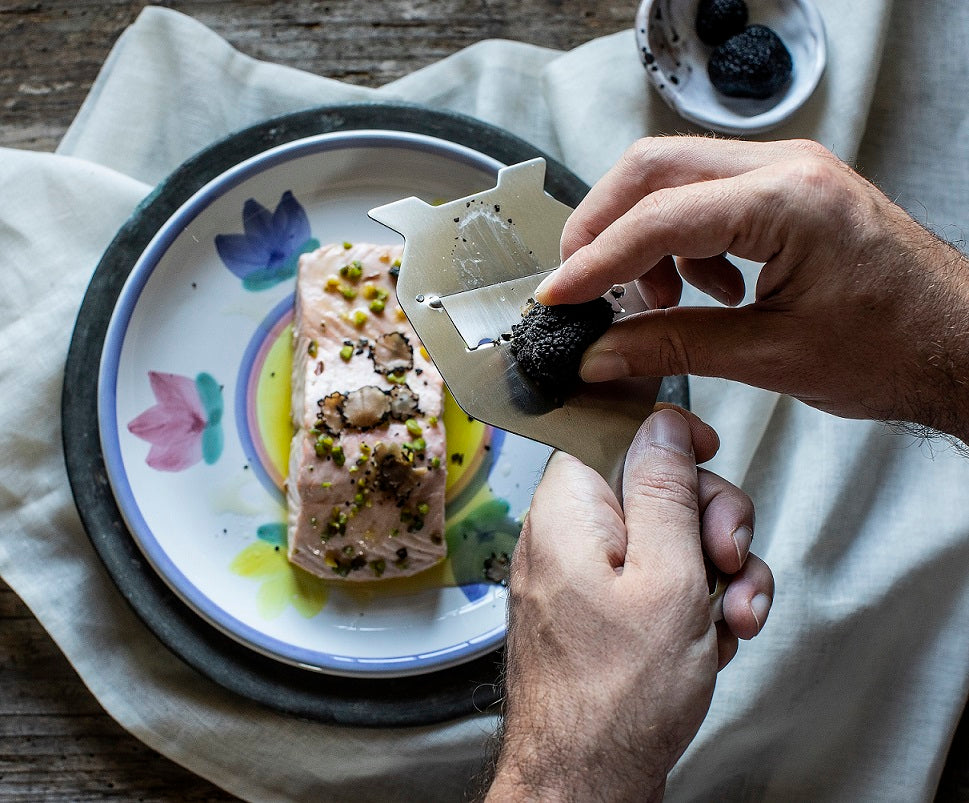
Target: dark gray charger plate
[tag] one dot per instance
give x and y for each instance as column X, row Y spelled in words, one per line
column 416, row 700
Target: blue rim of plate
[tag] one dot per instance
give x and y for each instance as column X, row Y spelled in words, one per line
column 140, row 529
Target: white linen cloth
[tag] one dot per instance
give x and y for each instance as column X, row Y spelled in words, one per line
column 852, row 691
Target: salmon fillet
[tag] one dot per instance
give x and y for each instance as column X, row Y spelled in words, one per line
column 367, row 464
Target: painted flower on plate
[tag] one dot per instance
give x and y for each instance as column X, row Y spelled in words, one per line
column 269, row 250
column 185, row 426
column 280, row 583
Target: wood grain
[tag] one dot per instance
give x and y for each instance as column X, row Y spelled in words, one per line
column 56, row 743
column 51, row 51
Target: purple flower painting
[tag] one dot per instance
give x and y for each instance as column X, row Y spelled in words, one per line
column 268, row 251
column 185, row 426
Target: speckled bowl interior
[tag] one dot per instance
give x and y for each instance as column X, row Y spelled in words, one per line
column 676, row 62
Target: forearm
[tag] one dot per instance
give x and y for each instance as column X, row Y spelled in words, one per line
column 934, row 386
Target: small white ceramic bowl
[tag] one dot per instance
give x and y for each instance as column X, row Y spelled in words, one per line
column 676, row 62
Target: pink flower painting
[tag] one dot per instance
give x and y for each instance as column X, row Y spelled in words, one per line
column 185, row 426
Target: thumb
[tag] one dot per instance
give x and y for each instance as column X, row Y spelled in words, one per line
column 748, row 344
column 661, row 502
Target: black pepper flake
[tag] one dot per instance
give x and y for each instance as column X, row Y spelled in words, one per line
column 458, row 458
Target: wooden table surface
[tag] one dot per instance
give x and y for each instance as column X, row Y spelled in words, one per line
column 56, row 743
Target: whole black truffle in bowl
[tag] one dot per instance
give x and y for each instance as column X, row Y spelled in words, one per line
column 718, row 20
column 752, row 64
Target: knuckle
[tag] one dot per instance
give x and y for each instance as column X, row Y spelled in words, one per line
column 639, row 154
column 811, row 149
column 812, row 174
column 667, row 485
column 740, row 502
column 672, row 355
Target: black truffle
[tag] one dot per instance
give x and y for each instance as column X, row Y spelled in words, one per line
column 549, row 342
column 718, row 20
column 752, row 64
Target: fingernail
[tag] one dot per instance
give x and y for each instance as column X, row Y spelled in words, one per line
column 742, row 537
column 542, row 288
column 669, row 429
column 760, row 607
column 601, row 366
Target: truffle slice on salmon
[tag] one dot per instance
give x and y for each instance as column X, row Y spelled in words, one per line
column 367, row 463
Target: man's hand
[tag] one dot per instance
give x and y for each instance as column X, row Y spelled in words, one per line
column 859, row 311
column 612, row 653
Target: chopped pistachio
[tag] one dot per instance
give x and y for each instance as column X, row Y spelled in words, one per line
column 414, row 427
column 346, row 353
column 353, row 271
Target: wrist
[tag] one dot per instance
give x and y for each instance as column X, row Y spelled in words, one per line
column 539, row 770
column 936, row 393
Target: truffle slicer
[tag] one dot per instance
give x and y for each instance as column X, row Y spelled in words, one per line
column 468, row 269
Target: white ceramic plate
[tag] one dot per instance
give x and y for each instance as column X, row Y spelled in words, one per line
column 193, row 415
column 676, row 62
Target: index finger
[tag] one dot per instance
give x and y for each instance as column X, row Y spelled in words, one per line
column 696, row 221
column 655, row 163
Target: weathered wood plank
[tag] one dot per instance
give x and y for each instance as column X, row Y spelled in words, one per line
column 52, row 50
